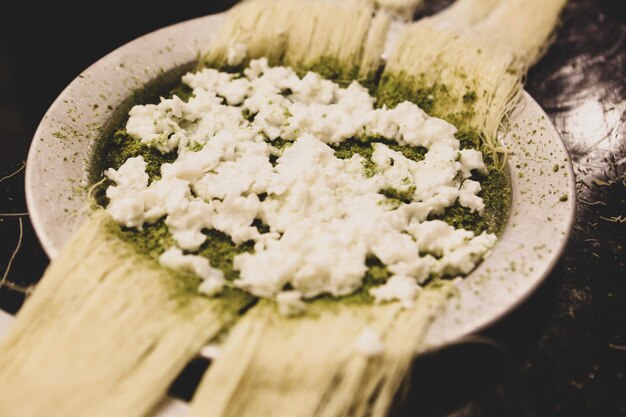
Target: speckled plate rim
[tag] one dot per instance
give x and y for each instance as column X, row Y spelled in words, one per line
column 543, row 209
column 62, row 146
column 542, row 177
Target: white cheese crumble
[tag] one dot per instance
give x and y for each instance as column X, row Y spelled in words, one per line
column 325, row 215
column 290, row 303
column 236, row 54
column 369, row 344
column 126, row 205
column 402, row 288
column 211, row 351
column 212, row 278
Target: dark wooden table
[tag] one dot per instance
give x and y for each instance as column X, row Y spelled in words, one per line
column 562, row 353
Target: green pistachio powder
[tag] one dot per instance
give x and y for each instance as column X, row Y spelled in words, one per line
column 118, row 146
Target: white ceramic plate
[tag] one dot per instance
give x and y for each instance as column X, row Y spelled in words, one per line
column 542, row 177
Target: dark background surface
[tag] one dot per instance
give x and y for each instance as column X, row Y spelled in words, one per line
column 562, row 353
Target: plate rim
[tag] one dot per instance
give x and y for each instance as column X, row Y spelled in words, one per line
column 48, row 245
column 562, row 244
